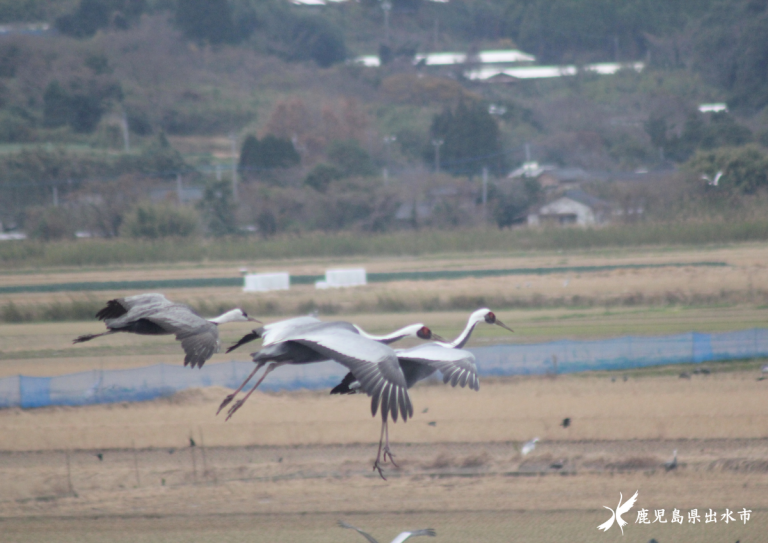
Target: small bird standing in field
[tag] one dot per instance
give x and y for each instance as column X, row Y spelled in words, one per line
column 672, row 464
column 529, row 446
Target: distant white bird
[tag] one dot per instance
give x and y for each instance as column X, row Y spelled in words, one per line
column 672, row 464
column 710, row 181
column 399, row 539
column 620, row 510
column 529, row 446
column 154, row 314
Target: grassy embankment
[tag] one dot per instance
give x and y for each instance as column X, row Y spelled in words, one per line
column 29, row 254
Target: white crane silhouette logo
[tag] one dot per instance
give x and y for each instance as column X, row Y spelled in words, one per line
column 620, row 510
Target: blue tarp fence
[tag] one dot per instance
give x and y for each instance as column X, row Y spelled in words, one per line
column 565, row 356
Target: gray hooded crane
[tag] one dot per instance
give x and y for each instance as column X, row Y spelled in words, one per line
column 154, row 314
column 399, row 539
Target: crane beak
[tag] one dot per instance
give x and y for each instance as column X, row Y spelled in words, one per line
column 435, row 337
column 504, row 325
column 251, row 319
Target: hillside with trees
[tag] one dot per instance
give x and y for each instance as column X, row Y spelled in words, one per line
column 122, row 108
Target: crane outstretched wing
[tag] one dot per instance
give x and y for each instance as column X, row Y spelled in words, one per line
column 406, row 535
column 139, row 305
column 278, row 331
column 199, row 345
column 456, row 365
column 607, row 524
column 375, row 365
column 366, row 535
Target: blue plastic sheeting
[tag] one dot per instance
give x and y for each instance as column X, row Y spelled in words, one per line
column 554, row 357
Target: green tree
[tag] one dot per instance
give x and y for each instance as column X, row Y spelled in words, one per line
column 81, row 107
column 278, row 152
column 218, row 208
column 316, row 38
column 153, row 221
column 50, row 223
column 745, row 168
column 723, row 130
column 510, row 204
column 158, row 159
column 350, row 158
column 471, row 139
column 93, row 15
column 250, row 153
column 321, row 176
column 205, row 20
column 57, row 105
column 270, row 153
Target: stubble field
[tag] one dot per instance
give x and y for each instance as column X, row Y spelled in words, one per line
column 289, row 465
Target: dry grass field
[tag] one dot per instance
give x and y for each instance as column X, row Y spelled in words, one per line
column 743, row 280
column 289, row 465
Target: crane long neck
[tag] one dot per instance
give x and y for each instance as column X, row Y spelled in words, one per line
column 229, row 316
column 388, row 338
column 460, row 341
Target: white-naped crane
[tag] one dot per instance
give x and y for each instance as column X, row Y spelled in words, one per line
column 153, row 314
column 374, row 364
column 399, row 539
column 481, row 315
column 455, row 364
column 430, row 357
column 276, row 332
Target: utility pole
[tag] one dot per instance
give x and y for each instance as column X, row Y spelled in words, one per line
column 527, row 152
column 437, row 143
column 179, row 188
column 126, row 134
column 233, row 140
column 436, row 34
column 386, row 7
column 387, row 143
column 485, row 192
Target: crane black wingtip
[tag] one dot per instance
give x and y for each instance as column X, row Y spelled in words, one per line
column 247, row 338
column 344, row 386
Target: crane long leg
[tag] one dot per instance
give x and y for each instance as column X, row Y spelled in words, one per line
column 376, row 465
column 239, row 403
column 384, row 452
column 231, row 397
column 387, row 452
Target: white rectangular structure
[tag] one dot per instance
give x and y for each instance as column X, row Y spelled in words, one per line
column 343, row 278
column 263, row 282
